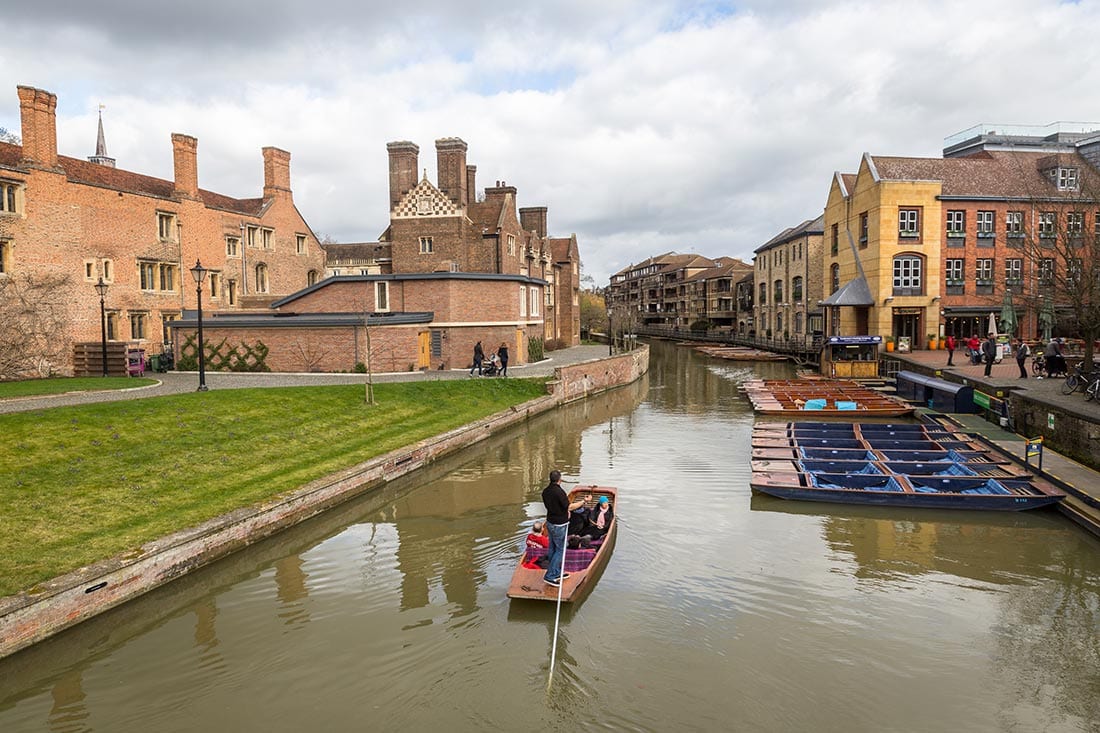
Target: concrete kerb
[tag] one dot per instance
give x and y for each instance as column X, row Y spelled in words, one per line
column 55, row 605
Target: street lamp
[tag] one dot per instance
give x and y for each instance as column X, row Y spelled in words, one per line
column 101, row 288
column 199, row 273
column 610, row 334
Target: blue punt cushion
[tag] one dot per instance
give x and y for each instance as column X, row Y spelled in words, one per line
column 815, row 404
column 845, row 405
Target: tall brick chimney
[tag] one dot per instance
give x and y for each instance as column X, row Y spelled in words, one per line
column 185, row 160
column 276, row 173
column 451, row 167
column 471, row 184
column 38, row 113
column 533, row 219
column 403, row 164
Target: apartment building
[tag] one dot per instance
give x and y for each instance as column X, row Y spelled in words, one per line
column 788, row 282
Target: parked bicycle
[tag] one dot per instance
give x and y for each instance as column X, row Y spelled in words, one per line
column 1079, row 378
column 1039, row 366
column 1093, row 388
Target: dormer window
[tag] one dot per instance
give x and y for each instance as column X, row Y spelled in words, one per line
column 1066, row 179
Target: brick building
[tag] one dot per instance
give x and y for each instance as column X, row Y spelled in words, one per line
column 451, row 269
column 81, row 220
column 788, row 283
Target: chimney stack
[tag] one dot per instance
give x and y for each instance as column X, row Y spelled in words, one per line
column 186, row 163
column 276, row 173
column 403, row 165
column 38, row 113
column 471, row 184
column 451, row 168
column 533, row 219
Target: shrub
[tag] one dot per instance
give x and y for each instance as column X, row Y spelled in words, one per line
column 535, row 349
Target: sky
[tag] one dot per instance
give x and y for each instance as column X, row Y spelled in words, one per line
column 644, row 126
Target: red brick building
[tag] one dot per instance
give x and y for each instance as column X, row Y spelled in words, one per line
column 81, row 220
column 451, row 269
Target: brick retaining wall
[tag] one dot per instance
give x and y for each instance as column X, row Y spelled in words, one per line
column 53, row 606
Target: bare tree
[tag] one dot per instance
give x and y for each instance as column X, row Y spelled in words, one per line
column 7, row 136
column 34, row 312
column 311, row 354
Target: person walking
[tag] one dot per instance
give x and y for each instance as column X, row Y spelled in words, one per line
column 479, row 356
column 558, row 509
column 973, row 346
column 950, row 349
column 1022, row 352
column 502, row 352
column 989, row 351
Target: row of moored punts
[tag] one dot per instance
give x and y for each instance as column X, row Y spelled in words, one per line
column 822, row 397
column 910, row 465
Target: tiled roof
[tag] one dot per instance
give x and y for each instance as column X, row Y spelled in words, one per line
column 808, row 227
column 355, row 251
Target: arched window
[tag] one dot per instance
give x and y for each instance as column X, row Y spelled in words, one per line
column 261, row 278
column 834, row 278
column 796, row 289
column 311, row 278
column 908, row 274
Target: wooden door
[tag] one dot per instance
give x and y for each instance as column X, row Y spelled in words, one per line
column 424, row 352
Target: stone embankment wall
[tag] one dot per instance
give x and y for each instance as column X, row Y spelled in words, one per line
column 65, row 601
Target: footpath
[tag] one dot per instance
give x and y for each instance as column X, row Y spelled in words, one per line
column 1081, row 483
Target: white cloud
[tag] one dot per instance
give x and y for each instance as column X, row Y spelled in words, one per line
column 643, row 127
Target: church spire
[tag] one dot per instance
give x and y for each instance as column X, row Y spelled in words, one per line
column 101, row 157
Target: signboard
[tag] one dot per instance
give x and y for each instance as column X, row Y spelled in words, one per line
column 903, row 344
column 981, row 399
column 854, row 340
column 1034, row 449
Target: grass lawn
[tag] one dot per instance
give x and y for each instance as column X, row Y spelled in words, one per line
column 61, row 385
column 81, row 484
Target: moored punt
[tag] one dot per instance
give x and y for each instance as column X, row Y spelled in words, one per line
column 905, row 468
column 1003, row 494
column 821, row 397
column 583, row 564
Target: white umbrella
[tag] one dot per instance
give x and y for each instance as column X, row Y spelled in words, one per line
column 992, row 324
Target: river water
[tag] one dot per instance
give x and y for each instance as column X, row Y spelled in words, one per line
column 718, row 610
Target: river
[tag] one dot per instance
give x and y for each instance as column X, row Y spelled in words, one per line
column 718, row 610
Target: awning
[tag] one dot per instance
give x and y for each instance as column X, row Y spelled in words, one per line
column 855, row 292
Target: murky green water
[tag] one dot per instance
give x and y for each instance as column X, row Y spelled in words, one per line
column 718, row 610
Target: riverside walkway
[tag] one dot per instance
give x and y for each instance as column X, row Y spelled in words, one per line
column 182, row 382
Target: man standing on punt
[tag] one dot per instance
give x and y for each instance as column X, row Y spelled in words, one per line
column 558, row 508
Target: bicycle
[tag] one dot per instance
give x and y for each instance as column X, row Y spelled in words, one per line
column 1093, row 388
column 1078, row 379
column 1039, row 366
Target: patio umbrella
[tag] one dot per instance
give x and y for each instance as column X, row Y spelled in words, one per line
column 992, row 324
column 1008, row 314
column 1046, row 318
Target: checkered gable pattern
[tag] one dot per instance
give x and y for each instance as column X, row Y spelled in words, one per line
column 424, row 200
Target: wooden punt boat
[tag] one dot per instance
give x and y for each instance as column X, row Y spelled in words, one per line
column 864, row 454
column 938, row 492
column 907, row 468
column 821, row 397
column 583, row 565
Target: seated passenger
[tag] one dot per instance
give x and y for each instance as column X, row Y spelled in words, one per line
column 538, row 537
column 599, row 518
column 578, row 522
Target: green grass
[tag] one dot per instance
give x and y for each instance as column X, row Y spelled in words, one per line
column 81, row 484
column 61, row 385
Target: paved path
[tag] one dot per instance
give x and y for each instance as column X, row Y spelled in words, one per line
column 181, row 382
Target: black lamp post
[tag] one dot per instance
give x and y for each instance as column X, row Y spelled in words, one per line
column 610, row 334
column 101, row 288
column 199, row 273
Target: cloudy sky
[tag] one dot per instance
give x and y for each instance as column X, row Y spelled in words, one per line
column 643, row 125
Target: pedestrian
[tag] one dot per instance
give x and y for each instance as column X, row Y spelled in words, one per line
column 973, row 347
column 479, row 356
column 950, row 349
column 1022, row 352
column 558, row 509
column 502, row 352
column 989, row 351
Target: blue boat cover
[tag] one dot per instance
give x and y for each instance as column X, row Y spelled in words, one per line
column 814, row 404
column 845, row 405
column 857, row 482
column 930, row 485
column 839, row 454
column 839, row 467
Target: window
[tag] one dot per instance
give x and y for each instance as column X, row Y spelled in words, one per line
column 907, row 275
column 763, row 294
column 437, row 344
column 89, row 270
column 381, row 296
column 523, row 301
column 230, row 292
column 985, row 225
column 1014, row 224
column 215, row 284
column 512, row 245
column 165, row 319
column 112, row 325
column 300, row 244
column 953, row 271
column 166, row 227
column 108, row 271
column 146, row 271
column 535, row 297
column 426, row 247
column 863, row 229
column 250, row 235
column 1046, row 225
column 983, row 272
column 167, row 276
column 232, row 246
column 137, row 326
column 157, row 276
column 1014, row 271
column 1075, row 223
column 11, row 197
column 261, row 278
column 1065, row 178
column 778, row 323
column 956, row 223
column 834, row 278
column 909, row 223
column 5, row 257
column 311, row 278
column 267, row 238
column 798, row 322
column 1046, row 271
column 834, row 245
column 1073, row 270
column 796, row 289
